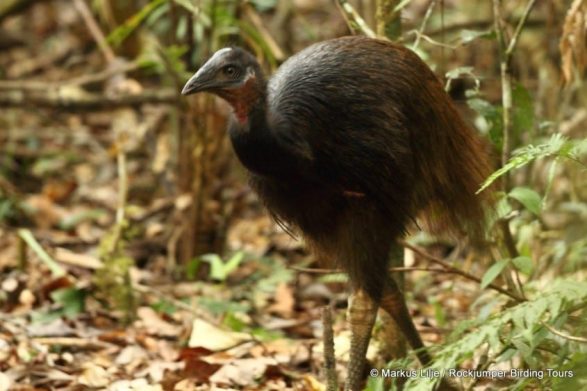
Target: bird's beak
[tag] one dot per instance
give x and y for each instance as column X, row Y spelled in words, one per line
column 202, row 80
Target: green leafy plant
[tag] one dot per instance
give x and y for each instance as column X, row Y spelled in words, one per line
column 557, row 146
column 219, row 269
column 522, row 332
column 69, row 303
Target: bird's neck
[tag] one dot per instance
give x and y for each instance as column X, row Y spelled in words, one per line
column 257, row 144
column 245, row 98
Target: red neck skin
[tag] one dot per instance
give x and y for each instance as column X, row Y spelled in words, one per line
column 241, row 111
column 242, row 99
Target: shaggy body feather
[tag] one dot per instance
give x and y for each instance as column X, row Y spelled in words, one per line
column 366, row 116
column 348, row 142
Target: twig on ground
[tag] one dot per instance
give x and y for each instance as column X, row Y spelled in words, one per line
column 83, row 343
column 329, row 358
column 30, row 240
column 461, row 273
column 67, row 99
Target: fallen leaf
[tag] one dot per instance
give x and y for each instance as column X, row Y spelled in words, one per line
column 195, row 367
column 130, row 355
column 214, row 338
column 243, row 372
column 135, row 384
column 5, row 382
column 155, row 325
column 94, row 376
column 284, row 301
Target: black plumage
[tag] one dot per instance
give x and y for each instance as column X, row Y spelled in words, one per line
column 348, row 142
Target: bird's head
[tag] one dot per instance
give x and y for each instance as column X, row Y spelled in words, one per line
column 234, row 75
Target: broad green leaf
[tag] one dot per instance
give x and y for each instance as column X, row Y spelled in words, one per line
column 493, row 272
column 265, row 335
column 164, row 307
column 219, row 270
column 233, row 322
column 221, row 307
column 503, row 206
column 234, row 262
column 509, row 329
column 216, row 266
column 524, row 264
column 527, row 197
column 556, row 145
column 72, row 300
column 481, row 106
column 523, row 118
column 492, row 115
column 192, row 267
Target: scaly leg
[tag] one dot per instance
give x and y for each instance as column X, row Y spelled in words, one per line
column 361, row 314
column 394, row 303
column 395, row 343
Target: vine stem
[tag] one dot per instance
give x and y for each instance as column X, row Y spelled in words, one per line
column 506, row 51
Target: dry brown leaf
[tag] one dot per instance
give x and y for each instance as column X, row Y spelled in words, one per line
column 183, row 202
column 44, row 211
column 134, row 385
column 250, row 235
column 155, row 325
column 284, row 351
column 80, row 260
column 573, row 43
column 213, row 338
column 155, row 370
column 5, row 382
column 242, row 372
column 284, row 301
column 55, row 328
column 195, row 367
column 312, row 384
column 163, row 152
column 5, row 351
column 94, row 376
column 58, row 190
column 131, row 356
column 185, row 385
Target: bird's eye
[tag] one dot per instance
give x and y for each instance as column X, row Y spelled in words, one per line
column 229, row 70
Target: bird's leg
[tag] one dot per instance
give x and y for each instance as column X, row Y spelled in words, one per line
column 395, row 343
column 361, row 314
column 394, row 303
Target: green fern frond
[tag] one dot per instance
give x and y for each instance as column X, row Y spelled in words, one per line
column 557, row 145
column 520, row 326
